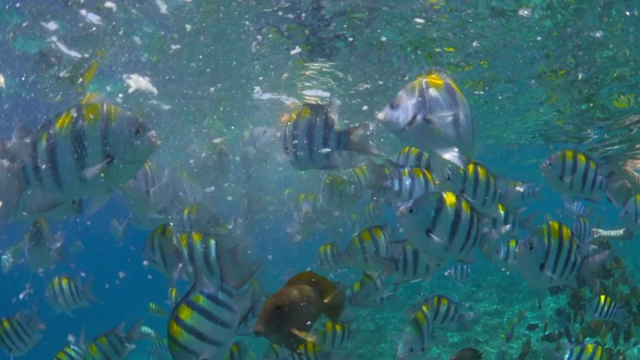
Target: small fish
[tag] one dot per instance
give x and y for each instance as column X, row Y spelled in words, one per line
column 552, row 256
column 412, row 265
column 66, row 294
column 553, row 336
column 157, row 310
column 509, row 336
column 239, row 351
column 370, row 291
column 329, row 256
column 288, row 315
column 114, row 343
column 605, row 308
column 334, row 335
column 173, row 296
column 586, row 351
column 526, row 349
column 311, row 140
column 467, row 354
column 339, row 192
column 161, row 251
column 370, row 250
column 505, row 254
column 159, row 350
column 477, row 184
column 532, row 326
column 446, row 313
column 399, row 185
column 19, row 333
column 514, row 196
column 583, row 230
column 417, row 337
column 576, row 208
column 574, row 174
column 409, row 157
column 372, row 214
column 71, row 352
column 431, row 114
column 458, row 272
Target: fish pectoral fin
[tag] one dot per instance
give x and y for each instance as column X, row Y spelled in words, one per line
column 90, row 173
column 307, row 336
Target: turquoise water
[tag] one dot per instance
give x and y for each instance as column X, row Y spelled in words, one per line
column 539, row 76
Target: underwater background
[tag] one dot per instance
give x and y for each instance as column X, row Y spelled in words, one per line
column 539, row 76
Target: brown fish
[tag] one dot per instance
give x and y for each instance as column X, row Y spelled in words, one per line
column 288, row 315
column 526, row 349
column 467, row 354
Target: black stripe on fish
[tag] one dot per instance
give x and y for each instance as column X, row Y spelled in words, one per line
column 79, row 146
column 35, row 163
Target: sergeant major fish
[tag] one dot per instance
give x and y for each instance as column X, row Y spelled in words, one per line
column 431, row 114
column 88, row 150
column 311, row 140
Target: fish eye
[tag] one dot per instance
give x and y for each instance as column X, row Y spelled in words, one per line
column 531, row 245
column 411, row 210
column 138, row 131
column 394, row 105
column 280, row 308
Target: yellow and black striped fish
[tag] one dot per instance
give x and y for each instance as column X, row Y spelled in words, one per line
column 87, row 150
column 369, row 250
column 311, row 140
column 114, row 344
column 19, row 333
column 71, row 352
column 161, row 251
column 66, row 294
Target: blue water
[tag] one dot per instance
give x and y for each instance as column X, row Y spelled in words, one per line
column 535, row 84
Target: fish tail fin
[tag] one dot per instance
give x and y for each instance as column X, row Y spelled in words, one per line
column 10, row 190
column 135, row 331
column 359, row 139
column 586, row 269
column 87, row 290
column 236, row 265
column 334, row 304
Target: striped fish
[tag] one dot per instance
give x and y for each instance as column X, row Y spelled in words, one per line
column 458, row 272
column 114, row 344
column 198, row 217
column 605, row 308
column 65, row 294
column 574, row 174
column 516, row 193
column 417, row 337
column 334, row 335
column 203, row 324
column 446, row 313
column 583, row 230
column 372, row 214
column 157, row 310
column 200, row 256
column 586, row 351
column 329, row 256
column 71, row 352
column 19, row 333
column 205, row 321
column 87, row 150
column 576, row 208
column 409, row 157
column 339, row 192
column 443, row 225
column 477, row 184
column 505, row 254
column 400, row 185
column 370, row 291
column 159, row 350
column 161, row 251
column 412, row 265
column 239, row 351
column 369, row 250
column 431, row 114
column 311, row 141
column 552, row 256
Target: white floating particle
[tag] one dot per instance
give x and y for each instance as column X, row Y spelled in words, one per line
column 524, row 12
column 296, row 50
column 51, row 25
column 136, row 82
column 419, row 20
column 110, row 5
